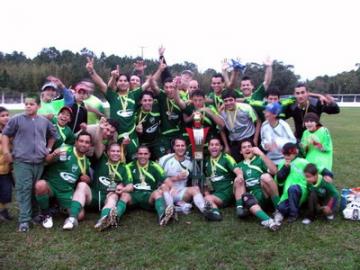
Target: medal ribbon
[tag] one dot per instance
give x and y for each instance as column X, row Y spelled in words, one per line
column 60, row 129
column 81, row 162
column 113, row 168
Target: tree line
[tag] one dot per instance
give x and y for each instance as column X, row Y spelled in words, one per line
column 21, row 74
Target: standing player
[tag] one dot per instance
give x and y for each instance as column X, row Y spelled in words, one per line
column 64, row 132
column 177, row 169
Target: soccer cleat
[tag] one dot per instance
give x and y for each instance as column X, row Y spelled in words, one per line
column 47, row 223
column 4, row 215
column 207, row 208
column 271, row 224
column 103, row 223
column 278, row 217
column 37, row 220
column 164, row 219
column 213, row 216
column 113, row 217
column 306, row 221
column 241, row 212
column 24, row 227
column 330, row 217
column 70, row 223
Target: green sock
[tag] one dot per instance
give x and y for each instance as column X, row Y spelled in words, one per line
column 239, row 202
column 120, row 208
column 75, row 209
column 105, row 212
column 275, row 199
column 43, row 201
column 262, row 215
column 160, row 206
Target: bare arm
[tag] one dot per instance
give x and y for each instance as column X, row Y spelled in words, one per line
column 5, row 140
column 257, row 131
column 179, row 101
column 268, row 72
column 269, row 164
column 216, row 118
column 225, row 140
column 94, row 76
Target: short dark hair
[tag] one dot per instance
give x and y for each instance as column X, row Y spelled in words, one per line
column 177, row 139
column 146, row 92
column 246, row 78
column 34, row 96
column 301, row 84
column 3, row 109
column 214, row 137
column 84, row 133
column 218, row 75
column 124, row 74
column 247, row 140
column 143, row 146
column 228, row 94
column 273, row 91
column 197, row 93
column 168, row 80
column 113, row 123
column 311, row 168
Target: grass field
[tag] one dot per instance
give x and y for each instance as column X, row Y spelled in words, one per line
column 192, row 243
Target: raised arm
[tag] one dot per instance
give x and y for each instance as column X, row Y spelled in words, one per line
column 269, row 164
column 94, row 76
column 214, row 116
column 224, row 72
column 268, row 72
column 178, row 100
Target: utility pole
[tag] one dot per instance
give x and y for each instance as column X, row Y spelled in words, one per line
column 142, row 51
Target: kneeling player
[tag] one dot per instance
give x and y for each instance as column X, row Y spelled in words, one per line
column 259, row 186
column 147, row 176
column 220, row 169
column 177, row 168
column 61, row 177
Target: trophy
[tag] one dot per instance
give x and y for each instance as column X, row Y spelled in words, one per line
column 197, row 136
column 235, row 65
column 112, row 185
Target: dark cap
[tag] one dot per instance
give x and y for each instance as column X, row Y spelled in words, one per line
column 49, row 85
column 66, row 108
column 289, row 149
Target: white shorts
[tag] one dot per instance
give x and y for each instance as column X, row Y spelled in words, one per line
column 178, row 194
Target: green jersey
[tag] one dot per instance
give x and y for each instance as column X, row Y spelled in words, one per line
column 63, row 175
column 95, row 103
column 322, row 158
column 171, row 116
column 106, row 172
column 217, row 100
column 184, row 95
column 123, row 108
column 64, row 134
column 323, row 189
column 52, row 107
column 258, row 94
column 151, row 124
column 147, row 178
column 295, row 177
column 252, row 170
column 220, row 171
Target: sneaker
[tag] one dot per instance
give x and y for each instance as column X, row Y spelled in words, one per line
column 113, row 217
column 207, row 208
column 164, row 219
column 306, row 221
column 70, row 223
column 24, row 227
column 37, row 220
column 241, row 212
column 4, row 215
column 278, row 217
column 184, row 208
column 103, row 223
column 271, row 224
column 291, row 219
column 330, row 217
column 47, row 223
column 213, row 216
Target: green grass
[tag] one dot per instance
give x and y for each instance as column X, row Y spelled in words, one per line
column 192, row 243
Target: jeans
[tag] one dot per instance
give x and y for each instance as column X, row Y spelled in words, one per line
column 290, row 207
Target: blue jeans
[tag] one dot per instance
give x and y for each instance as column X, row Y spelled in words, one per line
column 291, row 206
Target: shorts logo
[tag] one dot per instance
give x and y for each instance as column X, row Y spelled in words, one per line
column 68, row 177
column 152, row 129
column 104, row 180
column 74, row 168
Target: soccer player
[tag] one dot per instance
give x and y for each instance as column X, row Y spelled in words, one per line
column 275, row 133
column 317, row 143
column 221, row 172
column 323, row 195
column 147, row 177
column 94, row 106
column 258, row 190
column 64, row 133
column 177, row 169
column 68, row 170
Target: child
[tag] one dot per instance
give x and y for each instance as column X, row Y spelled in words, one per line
column 6, row 181
column 322, row 195
column 316, row 143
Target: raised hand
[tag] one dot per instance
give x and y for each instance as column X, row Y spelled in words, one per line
column 257, row 151
column 116, row 72
column 56, row 81
column 90, row 65
column 268, row 61
column 161, row 50
column 224, row 65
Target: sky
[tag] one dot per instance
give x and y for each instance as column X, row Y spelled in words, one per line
column 316, row 37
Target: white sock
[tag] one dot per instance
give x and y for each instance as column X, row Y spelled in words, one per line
column 168, row 198
column 199, row 202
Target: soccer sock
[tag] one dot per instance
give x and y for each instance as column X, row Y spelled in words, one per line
column 160, row 206
column 75, row 209
column 275, row 199
column 262, row 215
column 105, row 212
column 43, row 201
column 239, row 202
column 120, row 208
column 199, row 202
column 168, row 198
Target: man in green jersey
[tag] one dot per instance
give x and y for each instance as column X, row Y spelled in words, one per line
column 64, row 132
column 148, row 121
column 259, row 188
column 68, row 168
column 147, row 177
column 220, row 172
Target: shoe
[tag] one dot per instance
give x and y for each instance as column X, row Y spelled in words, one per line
column 4, row 215
column 47, row 223
column 37, row 220
column 24, row 227
column 278, row 217
column 306, row 221
column 103, row 223
column 70, row 223
column 114, row 220
column 184, row 208
column 291, row 219
column 241, row 212
column 213, row 216
column 207, row 208
column 271, row 224
column 164, row 219
column 330, row 217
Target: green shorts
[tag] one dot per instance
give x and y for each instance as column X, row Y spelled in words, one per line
column 64, row 198
column 260, row 197
column 225, row 195
column 141, row 199
column 97, row 199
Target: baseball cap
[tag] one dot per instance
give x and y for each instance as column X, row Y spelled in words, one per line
column 49, row 85
column 274, row 108
column 66, row 108
column 187, row 72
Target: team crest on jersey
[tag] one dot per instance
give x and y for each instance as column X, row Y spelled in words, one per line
column 152, row 120
column 74, row 168
column 68, row 177
column 248, row 172
column 125, row 113
column 104, row 180
column 152, row 129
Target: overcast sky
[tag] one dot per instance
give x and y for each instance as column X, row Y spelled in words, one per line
column 317, row 37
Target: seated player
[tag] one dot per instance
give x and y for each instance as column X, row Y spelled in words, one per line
column 220, row 171
column 147, row 176
column 66, row 170
column 112, row 180
column 259, row 190
column 177, row 169
column 323, row 195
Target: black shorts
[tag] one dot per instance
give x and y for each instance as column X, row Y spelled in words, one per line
column 6, row 184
